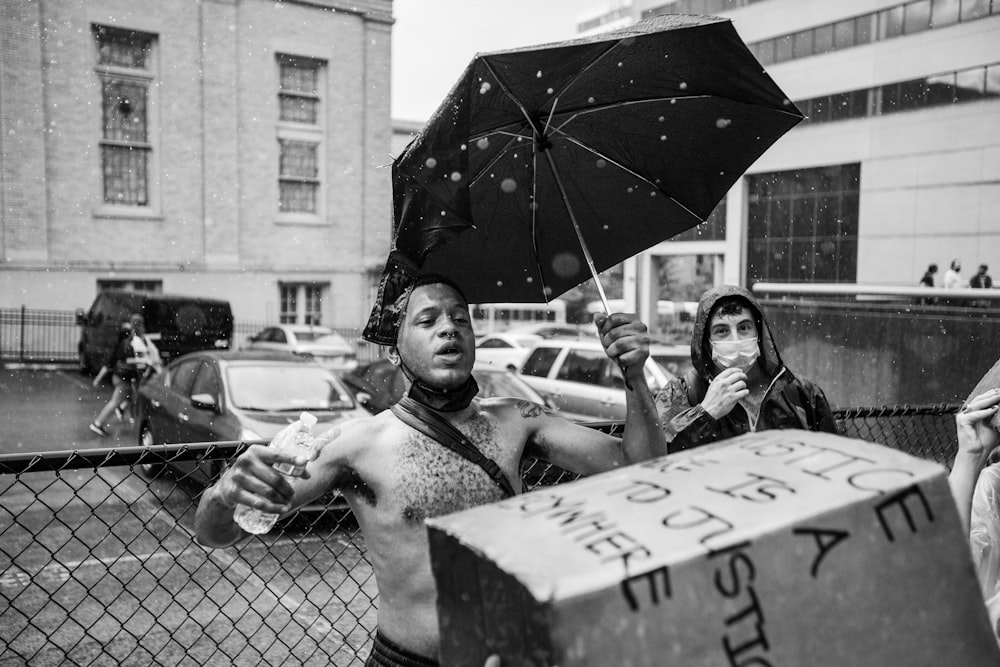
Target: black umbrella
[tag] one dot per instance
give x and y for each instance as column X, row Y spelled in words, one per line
column 546, row 165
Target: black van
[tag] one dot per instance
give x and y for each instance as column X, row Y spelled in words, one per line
column 176, row 324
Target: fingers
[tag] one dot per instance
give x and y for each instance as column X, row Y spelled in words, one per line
column 624, row 337
column 252, row 480
column 983, row 401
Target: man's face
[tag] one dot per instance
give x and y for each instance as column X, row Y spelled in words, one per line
column 735, row 326
column 435, row 338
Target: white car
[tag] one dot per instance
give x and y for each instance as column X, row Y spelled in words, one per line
column 505, row 350
column 577, row 377
column 328, row 348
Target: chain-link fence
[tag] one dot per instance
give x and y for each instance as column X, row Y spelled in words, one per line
column 99, row 565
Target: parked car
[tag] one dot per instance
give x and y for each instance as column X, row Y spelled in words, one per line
column 577, row 377
column 675, row 359
column 235, row 395
column 327, row 347
column 379, row 384
column 176, row 324
column 505, row 350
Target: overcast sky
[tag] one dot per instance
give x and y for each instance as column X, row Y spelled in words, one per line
column 433, row 41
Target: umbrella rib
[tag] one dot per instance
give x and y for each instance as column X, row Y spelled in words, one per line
column 473, row 179
column 566, row 86
column 639, row 176
column 513, row 98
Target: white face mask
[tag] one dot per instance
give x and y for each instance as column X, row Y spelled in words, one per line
column 735, row 353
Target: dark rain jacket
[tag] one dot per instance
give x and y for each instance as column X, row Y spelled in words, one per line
column 789, row 402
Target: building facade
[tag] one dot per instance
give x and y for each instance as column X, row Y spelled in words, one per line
column 227, row 148
column 896, row 167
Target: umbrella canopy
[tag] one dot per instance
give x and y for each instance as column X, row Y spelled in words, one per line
column 546, row 165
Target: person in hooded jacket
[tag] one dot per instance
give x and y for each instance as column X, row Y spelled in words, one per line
column 738, row 383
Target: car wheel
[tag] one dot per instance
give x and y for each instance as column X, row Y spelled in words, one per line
column 150, row 470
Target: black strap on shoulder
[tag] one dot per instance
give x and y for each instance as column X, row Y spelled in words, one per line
column 436, row 427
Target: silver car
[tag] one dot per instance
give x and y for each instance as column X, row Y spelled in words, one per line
column 578, row 378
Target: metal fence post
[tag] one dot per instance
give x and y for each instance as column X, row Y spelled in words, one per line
column 21, row 351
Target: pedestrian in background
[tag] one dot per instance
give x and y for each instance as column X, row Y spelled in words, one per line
column 982, row 279
column 953, row 276
column 928, row 278
column 122, row 375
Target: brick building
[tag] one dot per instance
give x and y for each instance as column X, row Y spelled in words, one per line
column 230, row 148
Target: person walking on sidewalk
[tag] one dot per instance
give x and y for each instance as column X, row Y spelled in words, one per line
column 122, row 375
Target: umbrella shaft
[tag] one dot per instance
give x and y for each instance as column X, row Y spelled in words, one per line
column 576, row 228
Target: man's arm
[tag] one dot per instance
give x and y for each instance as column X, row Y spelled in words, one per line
column 626, row 342
column 586, row 450
column 252, row 480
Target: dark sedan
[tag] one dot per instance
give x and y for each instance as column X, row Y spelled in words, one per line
column 236, row 395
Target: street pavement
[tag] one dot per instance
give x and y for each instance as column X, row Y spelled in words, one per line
column 46, row 409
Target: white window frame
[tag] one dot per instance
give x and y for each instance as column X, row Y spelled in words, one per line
column 306, row 132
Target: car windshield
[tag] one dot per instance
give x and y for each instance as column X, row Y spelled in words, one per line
column 278, row 388
column 502, row 384
column 311, row 336
column 333, row 340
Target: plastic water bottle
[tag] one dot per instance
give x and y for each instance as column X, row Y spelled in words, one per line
column 296, row 439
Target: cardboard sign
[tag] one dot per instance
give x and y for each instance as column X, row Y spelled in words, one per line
column 777, row 548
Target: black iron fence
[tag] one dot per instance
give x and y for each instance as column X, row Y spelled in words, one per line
column 35, row 336
column 99, row 565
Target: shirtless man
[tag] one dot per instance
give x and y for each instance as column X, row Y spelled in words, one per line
column 395, row 477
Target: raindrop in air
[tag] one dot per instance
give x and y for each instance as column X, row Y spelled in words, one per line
column 431, row 163
column 455, row 176
column 683, row 85
column 549, row 91
column 529, row 280
column 483, row 144
column 538, row 75
column 663, row 137
column 722, row 123
column 485, row 88
column 499, row 283
column 601, row 163
column 619, row 64
column 590, row 100
column 508, row 185
column 565, row 265
column 662, row 118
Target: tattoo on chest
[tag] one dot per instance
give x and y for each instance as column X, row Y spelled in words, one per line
column 432, row 480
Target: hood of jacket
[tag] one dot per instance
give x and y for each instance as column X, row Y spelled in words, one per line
column 701, row 350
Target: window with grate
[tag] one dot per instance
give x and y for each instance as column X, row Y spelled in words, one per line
column 300, row 134
column 124, row 66
column 302, row 303
column 134, row 285
column 299, row 176
column 803, row 225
